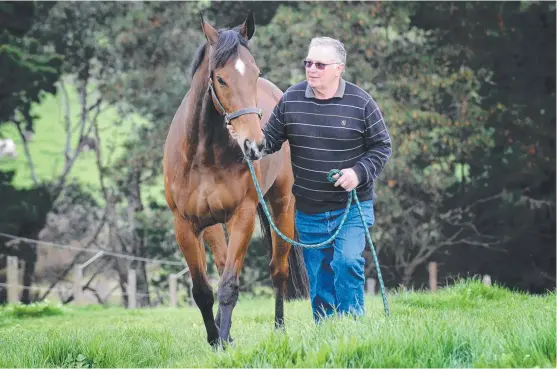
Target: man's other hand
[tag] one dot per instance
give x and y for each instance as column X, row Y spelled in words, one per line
column 348, row 180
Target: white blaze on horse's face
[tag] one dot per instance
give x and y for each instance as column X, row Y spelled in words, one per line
column 240, row 66
column 238, row 92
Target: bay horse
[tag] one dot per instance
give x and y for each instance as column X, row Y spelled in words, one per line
column 207, row 180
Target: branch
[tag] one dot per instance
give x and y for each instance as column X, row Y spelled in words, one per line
column 74, row 261
column 89, row 109
column 98, row 156
column 486, row 199
column 26, row 148
column 543, row 273
column 83, row 122
column 68, row 126
column 87, row 285
column 109, row 293
column 535, row 204
column 83, row 115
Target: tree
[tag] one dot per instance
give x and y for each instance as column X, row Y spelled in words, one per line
column 28, row 72
column 432, row 109
column 516, row 42
column 154, row 44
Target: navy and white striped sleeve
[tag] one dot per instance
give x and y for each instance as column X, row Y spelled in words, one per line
column 275, row 129
column 377, row 143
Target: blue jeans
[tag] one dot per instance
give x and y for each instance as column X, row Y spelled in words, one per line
column 336, row 270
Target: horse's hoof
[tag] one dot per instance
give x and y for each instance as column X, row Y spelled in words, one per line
column 279, row 325
column 214, row 341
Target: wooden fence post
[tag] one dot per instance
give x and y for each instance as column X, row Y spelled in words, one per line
column 371, row 286
column 78, row 282
column 433, row 276
column 12, row 279
column 78, row 286
column 172, row 286
column 131, row 289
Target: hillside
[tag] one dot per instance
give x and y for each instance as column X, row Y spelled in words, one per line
column 48, row 144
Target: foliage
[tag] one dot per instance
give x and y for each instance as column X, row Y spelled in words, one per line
column 431, row 109
column 467, row 90
column 516, row 42
column 34, row 310
column 47, row 147
column 29, row 69
column 474, row 326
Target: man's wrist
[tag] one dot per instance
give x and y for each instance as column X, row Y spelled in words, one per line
column 360, row 172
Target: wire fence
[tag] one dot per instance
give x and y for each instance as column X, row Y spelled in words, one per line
column 72, row 283
column 81, row 292
column 90, row 250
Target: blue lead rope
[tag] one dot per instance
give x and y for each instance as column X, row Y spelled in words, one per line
column 352, row 195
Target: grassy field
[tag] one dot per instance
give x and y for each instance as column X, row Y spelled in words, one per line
column 49, row 142
column 468, row 325
column 48, row 145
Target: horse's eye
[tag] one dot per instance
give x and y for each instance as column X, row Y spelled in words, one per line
column 221, row 81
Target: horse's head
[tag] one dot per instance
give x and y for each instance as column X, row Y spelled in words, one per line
column 233, row 77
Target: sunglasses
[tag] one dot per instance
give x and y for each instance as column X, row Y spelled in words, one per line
column 318, row 65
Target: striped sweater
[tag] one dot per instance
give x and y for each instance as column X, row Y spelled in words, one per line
column 346, row 131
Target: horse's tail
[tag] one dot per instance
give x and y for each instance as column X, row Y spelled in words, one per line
column 297, row 285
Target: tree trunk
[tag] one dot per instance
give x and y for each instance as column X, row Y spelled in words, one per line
column 407, row 274
column 3, row 276
column 29, row 255
column 135, row 207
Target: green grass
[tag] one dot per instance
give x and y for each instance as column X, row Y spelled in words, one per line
column 48, row 145
column 468, row 325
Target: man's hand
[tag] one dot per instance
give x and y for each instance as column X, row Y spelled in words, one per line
column 232, row 131
column 348, row 180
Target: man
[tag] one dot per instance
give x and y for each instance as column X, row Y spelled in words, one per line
column 331, row 124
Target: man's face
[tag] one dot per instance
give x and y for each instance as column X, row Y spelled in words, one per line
column 323, row 57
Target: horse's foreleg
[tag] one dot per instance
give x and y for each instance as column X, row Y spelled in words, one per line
column 282, row 205
column 240, row 229
column 214, row 235
column 194, row 252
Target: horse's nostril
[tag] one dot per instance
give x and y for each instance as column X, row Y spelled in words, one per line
column 252, row 149
column 247, row 145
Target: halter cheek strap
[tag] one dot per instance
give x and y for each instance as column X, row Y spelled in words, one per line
column 229, row 116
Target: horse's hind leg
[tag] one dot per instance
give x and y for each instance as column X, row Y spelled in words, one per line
column 282, row 205
column 194, row 252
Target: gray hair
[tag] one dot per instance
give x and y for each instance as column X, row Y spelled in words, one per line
column 331, row 42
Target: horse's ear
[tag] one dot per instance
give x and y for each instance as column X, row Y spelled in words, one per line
column 210, row 33
column 247, row 29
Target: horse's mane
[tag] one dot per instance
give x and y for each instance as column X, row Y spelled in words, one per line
column 227, row 46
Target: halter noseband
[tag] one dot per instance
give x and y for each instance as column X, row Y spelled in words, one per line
column 229, row 116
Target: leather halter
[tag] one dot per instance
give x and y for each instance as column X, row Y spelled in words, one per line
column 229, row 116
